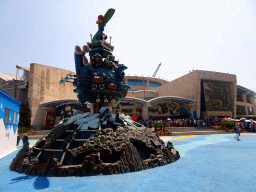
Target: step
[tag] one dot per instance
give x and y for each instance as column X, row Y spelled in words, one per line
column 42, row 132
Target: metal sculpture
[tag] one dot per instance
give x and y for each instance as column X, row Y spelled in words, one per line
column 100, row 143
column 101, row 80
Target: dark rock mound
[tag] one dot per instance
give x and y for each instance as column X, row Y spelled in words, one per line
column 69, row 150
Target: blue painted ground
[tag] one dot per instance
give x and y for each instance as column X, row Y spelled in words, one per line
column 207, row 163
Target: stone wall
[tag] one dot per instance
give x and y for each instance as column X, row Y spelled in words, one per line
column 45, row 87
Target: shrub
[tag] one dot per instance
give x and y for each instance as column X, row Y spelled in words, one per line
column 23, row 129
column 156, row 125
column 227, row 124
column 25, row 115
column 165, row 124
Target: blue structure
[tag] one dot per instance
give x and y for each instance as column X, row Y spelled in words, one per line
column 101, row 80
column 9, row 118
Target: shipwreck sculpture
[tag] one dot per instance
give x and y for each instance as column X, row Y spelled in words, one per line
column 100, row 143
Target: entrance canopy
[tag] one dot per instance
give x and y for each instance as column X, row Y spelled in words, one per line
column 178, row 100
column 135, row 100
column 55, row 103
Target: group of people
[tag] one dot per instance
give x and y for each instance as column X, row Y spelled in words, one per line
column 24, row 139
column 248, row 126
column 180, row 122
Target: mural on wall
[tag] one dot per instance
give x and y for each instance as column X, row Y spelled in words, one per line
column 127, row 108
column 67, row 110
column 217, row 95
column 163, row 109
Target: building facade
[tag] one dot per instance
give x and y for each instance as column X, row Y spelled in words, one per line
column 9, row 118
column 198, row 94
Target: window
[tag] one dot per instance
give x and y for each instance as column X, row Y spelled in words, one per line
column 136, row 82
column 240, row 110
column 239, row 98
column 6, row 118
column 154, row 84
column 14, row 118
column 248, row 98
column 249, row 111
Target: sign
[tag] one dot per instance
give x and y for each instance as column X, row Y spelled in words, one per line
column 50, row 118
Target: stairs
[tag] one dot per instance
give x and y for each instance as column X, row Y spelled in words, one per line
column 38, row 134
column 178, row 131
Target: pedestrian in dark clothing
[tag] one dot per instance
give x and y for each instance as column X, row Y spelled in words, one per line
column 18, row 140
column 25, row 138
column 237, row 133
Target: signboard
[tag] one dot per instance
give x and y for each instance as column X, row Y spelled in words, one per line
column 50, row 118
column 67, row 110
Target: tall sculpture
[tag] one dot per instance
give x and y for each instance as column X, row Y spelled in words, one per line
column 100, row 143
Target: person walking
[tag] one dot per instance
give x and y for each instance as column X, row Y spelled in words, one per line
column 25, row 139
column 237, row 132
column 18, row 140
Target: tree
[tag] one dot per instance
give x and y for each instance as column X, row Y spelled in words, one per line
column 25, row 115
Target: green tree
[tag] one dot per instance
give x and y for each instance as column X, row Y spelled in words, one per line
column 25, row 115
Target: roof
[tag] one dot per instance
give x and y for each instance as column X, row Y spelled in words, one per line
column 6, row 95
column 8, row 77
column 242, row 89
column 22, row 67
column 179, row 100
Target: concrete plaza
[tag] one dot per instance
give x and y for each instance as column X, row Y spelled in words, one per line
column 207, row 163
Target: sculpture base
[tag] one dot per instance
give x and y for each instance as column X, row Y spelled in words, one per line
column 70, row 151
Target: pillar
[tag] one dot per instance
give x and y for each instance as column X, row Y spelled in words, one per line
column 252, row 101
column 145, row 112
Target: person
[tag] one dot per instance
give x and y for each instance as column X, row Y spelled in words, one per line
column 18, row 139
column 25, row 138
column 237, row 132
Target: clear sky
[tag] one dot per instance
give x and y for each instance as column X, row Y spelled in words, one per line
column 213, row 35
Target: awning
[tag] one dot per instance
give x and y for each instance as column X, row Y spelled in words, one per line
column 179, row 100
column 55, row 103
column 241, row 89
column 135, row 100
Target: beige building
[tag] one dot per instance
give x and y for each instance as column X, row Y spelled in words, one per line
column 197, row 94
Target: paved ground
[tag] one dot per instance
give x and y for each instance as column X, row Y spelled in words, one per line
column 207, row 163
column 176, row 131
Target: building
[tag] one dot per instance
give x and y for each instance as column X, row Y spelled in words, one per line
column 9, row 118
column 216, row 94
column 198, row 94
column 16, row 85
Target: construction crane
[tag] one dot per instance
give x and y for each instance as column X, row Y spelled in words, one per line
column 156, row 70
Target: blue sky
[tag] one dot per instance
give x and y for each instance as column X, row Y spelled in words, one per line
column 213, row 35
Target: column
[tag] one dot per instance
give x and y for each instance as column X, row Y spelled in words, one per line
column 245, row 103
column 145, row 112
column 252, row 101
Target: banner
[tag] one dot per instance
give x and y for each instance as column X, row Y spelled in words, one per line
column 50, row 118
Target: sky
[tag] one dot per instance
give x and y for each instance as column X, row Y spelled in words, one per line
column 184, row 35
